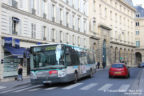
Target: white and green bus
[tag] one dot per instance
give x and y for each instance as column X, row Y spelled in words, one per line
column 59, row 63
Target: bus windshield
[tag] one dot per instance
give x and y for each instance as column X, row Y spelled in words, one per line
column 46, row 56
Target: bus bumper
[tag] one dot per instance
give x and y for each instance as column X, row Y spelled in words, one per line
column 50, row 80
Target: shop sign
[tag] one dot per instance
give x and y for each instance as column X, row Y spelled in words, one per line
column 7, row 41
column 17, row 43
column 38, row 43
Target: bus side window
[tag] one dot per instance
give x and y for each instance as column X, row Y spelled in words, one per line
column 75, row 57
column 68, row 57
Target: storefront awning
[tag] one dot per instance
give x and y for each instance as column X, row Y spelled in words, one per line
column 19, row 52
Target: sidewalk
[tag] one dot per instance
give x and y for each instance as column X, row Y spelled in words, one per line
column 12, row 84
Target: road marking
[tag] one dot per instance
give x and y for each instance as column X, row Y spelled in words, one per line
column 105, row 87
column 2, row 87
column 34, row 89
column 72, row 86
column 124, row 88
column 10, row 90
column 88, row 86
column 51, row 88
column 27, row 88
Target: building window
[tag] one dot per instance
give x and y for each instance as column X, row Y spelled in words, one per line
column 137, row 43
column 111, row 15
column 105, row 13
column 33, row 29
column 67, row 37
column 84, row 25
column 67, row 19
column 137, row 23
column 78, row 24
column 73, row 21
column 61, row 15
column 137, row 32
column 137, row 15
column 100, row 10
column 43, row 7
column 32, row 3
column 53, row 35
column 43, row 32
column 73, row 39
column 15, row 25
column 61, row 36
column 53, row 12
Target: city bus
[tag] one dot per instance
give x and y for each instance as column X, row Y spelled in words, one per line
column 60, row 63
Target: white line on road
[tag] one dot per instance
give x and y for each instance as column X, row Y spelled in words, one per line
column 124, row 88
column 51, row 88
column 10, row 90
column 34, row 89
column 72, row 86
column 27, row 88
column 105, row 87
column 2, row 87
column 88, row 86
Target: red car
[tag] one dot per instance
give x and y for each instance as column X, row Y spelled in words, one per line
column 119, row 69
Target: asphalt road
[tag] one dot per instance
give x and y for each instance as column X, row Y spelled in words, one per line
column 99, row 85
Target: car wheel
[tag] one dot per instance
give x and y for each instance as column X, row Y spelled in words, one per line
column 128, row 75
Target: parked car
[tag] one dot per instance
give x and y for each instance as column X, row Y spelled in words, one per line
column 141, row 65
column 119, row 70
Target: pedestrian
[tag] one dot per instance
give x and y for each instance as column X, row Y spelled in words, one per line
column 98, row 65
column 103, row 64
column 20, row 71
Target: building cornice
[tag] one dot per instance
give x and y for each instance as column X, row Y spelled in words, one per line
column 118, row 43
column 40, row 18
column 74, row 10
column 116, row 9
column 129, row 6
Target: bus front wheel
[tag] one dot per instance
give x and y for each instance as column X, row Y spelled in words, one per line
column 75, row 78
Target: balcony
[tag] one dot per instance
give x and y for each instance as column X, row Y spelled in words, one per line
column 15, row 33
column 14, row 4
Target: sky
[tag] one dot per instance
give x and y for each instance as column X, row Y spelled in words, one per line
column 138, row 2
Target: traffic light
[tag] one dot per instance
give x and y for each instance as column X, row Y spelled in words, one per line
column 2, row 61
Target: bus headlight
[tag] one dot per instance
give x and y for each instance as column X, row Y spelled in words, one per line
column 62, row 73
column 33, row 75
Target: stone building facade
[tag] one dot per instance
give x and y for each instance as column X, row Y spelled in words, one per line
column 139, row 33
column 112, row 31
column 30, row 22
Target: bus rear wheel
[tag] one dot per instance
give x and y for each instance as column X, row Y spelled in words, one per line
column 91, row 73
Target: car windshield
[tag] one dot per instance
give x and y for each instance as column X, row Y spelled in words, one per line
column 117, row 66
column 46, row 56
